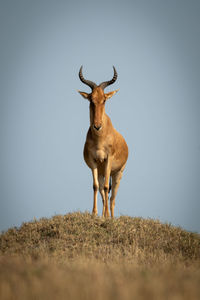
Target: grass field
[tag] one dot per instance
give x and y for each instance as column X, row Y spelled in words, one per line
column 77, row 256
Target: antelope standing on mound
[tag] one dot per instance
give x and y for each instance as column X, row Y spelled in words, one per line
column 105, row 150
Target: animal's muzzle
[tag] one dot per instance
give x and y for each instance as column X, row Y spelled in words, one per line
column 98, row 127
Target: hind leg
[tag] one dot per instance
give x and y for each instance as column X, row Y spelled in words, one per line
column 115, row 185
column 101, row 190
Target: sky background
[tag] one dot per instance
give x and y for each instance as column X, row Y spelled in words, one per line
column 155, row 47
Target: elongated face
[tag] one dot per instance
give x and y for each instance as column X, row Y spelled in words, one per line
column 97, row 106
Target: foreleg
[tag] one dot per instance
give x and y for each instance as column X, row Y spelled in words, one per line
column 101, row 190
column 106, row 187
column 95, row 188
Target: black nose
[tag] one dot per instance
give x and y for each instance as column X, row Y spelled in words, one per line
column 97, row 127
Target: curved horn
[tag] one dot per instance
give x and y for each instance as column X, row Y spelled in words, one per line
column 104, row 84
column 91, row 84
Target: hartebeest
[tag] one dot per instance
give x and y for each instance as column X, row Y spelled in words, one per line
column 105, row 150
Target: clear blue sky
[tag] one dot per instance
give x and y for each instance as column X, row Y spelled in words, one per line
column 155, row 47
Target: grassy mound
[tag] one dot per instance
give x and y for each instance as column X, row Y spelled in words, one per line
column 78, row 256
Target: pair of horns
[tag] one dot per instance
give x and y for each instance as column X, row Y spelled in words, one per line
column 92, row 85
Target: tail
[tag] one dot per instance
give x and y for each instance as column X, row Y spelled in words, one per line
column 110, row 185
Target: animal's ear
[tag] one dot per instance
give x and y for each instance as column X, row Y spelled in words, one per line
column 110, row 94
column 85, row 95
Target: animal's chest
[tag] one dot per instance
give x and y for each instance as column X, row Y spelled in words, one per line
column 99, row 153
column 97, row 150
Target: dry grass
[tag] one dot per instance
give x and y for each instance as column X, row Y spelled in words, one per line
column 77, row 256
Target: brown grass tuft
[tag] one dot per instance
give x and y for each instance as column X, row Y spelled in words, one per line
column 77, row 256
